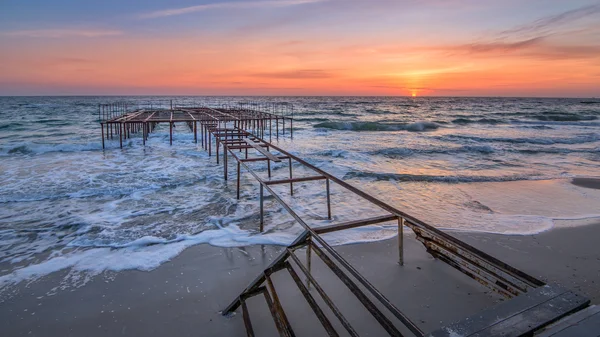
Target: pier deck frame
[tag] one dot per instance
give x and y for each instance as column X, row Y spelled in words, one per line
column 243, row 128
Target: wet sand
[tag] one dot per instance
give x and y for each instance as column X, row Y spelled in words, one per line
column 587, row 182
column 183, row 297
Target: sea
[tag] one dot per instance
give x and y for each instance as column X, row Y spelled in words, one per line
column 494, row 165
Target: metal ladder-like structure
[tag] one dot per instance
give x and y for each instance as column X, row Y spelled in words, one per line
column 494, row 274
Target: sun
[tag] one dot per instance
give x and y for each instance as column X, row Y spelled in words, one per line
column 414, row 94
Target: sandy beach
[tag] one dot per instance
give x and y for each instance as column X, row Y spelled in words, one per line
column 183, row 297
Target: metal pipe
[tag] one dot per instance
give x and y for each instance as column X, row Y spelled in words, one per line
column 401, row 241
column 261, row 208
column 328, row 200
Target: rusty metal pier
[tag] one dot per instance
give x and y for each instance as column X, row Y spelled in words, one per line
column 240, row 133
column 124, row 120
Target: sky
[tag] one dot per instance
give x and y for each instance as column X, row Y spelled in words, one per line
column 541, row 48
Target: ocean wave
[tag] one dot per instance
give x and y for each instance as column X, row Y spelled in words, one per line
column 406, row 177
column 46, row 148
column 376, row 126
column 565, row 118
column 581, row 139
column 478, row 121
column 404, row 152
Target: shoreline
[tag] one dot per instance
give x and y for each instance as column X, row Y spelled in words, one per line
column 186, row 293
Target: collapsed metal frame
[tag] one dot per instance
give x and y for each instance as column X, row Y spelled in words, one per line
column 489, row 271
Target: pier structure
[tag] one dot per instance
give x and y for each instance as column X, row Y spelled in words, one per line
column 124, row 120
column 532, row 306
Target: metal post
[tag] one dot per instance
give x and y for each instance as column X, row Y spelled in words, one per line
column 291, row 184
column 328, row 199
column 401, row 241
column 261, row 208
column 171, row 133
column 102, row 128
column 120, row 135
column 195, row 132
column 238, row 180
column 225, row 159
column 308, row 260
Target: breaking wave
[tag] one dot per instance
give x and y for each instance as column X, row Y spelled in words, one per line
column 375, row 126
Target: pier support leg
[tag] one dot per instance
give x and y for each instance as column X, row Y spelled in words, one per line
column 238, row 179
column 195, row 132
column 328, row 199
column 401, row 241
column 102, row 128
column 225, row 160
column 120, row 135
column 170, row 133
column 291, row 184
column 308, row 259
column 261, row 208
column 144, row 134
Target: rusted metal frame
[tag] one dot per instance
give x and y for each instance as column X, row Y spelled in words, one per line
column 422, row 227
column 323, row 295
column 247, row 322
column 278, row 308
column 262, row 151
column 355, row 223
column 391, row 307
column 237, row 147
column 294, row 180
column 125, row 117
column 224, row 113
column 263, row 185
column 281, row 328
column 366, row 302
column 311, row 301
column 261, row 159
column 466, row 267
column 277, row 263
column 478, row 261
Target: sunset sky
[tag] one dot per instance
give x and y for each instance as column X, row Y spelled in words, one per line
column 300, row 47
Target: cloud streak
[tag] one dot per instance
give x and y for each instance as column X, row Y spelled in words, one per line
column 296, row 74
column 543, row 25
column 225, row 5
column 63, row 33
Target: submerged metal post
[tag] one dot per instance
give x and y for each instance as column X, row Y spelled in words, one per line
column 291, row 184
column 238, row 179
column 195, row 132
column 261, row 207
column 225, row 158
column 102, row 128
